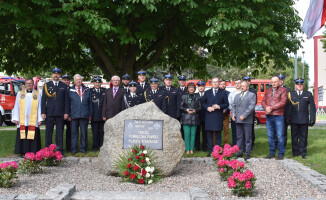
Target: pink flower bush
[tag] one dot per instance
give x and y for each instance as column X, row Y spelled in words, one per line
column 49, row 156
column 52, row 147
column 8, row 171
column 242, row 183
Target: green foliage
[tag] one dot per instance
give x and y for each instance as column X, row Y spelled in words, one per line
column 8, row 172
column 125, row 36
column 29, row 167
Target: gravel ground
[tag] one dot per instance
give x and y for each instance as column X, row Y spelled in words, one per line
column 272, row 181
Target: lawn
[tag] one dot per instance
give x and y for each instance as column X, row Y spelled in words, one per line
column 315, row 155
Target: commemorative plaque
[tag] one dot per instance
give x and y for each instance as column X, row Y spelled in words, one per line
column 145, row 132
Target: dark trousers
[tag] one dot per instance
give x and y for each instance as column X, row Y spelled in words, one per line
column 234, row 133
column 59, row 124
column 81, row 123
column 253, row 133
column 210, row 138
column 68, row 135
column 98, row 134
column 201, row 128
column 299, row 135
column 244, row 135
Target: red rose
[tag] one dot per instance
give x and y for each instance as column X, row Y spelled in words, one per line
column 134, row 151
column 129, row 159
column 136, row 167
column 143, row 161
column 137, row 157
column 132, row 176
column 142, row 147
column 126, row 173
column 144, row 172
column 143, row 155
column 141, row 181
column 129, row 165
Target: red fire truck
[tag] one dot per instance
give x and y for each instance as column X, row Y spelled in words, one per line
column 9, row 87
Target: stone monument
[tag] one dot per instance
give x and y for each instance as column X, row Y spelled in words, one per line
column 147, row 124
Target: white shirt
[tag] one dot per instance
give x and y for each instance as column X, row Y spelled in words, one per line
column 215, row 91
column 182, row 88
column 231, row 97
column 298, row 92
column 56, row 83
column 168, row 88
column 132, row 94
column 28, row 105
column 201, row 94
column 154, row 91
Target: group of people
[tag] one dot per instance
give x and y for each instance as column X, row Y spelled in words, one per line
column 203, row 114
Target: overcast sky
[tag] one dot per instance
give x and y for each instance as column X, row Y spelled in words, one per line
column 308, row 45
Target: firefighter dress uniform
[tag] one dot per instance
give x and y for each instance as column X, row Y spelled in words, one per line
column 27, row 111
column 130, row 100
column 142, row 87
column 302, row 112
column 97, row 122
column 158, row 96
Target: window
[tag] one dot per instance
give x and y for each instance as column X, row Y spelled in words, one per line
column 16, row 87
column 255, row 86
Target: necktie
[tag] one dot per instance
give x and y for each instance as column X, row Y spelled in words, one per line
column 142, row 85
column 114, row 92
column 79, row 92
column 55, row 84
column 300, row 93
column 241, row 95
column 215, row 91
column 97, row 90
column 168, row 89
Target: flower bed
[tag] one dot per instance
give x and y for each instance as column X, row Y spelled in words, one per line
column 8, row 172
column 240, row 181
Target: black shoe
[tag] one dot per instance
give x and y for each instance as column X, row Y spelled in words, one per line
column 269, row 156
column 295, row 155
column 239, row 155
column 304, row 157
column 208, row 155
column 279, row 157
column 247, row 157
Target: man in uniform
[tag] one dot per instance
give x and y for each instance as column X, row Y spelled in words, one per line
column 131, row 98
column 226, row 115
column 173, row 97
column 154, row 94
column 125, row 82
column 55, row 108
column 182, row 85
column 27, row 116
column 302, row 112
column 248, row 79
column 66, row 80
column 142, row 84
column 201, row 127
column 97, row 95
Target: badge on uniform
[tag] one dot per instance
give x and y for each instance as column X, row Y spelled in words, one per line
column 35, row 97
column 22, row 96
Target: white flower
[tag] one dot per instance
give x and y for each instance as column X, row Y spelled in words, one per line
column 152, row 169
column 150, row 181
column 152, row 175
column 145, row 152
column 148, row 162
column 147, row 159
column 148, row 169
column 148, row 175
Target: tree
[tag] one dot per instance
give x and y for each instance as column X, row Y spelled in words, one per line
column 123, row 36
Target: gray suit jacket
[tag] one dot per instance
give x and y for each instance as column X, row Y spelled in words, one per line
column 244, row 107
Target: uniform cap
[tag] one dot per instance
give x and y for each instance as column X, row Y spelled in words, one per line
column 168, row 76
column 141, row 72
column 182, row 78
column 299, row 81
column 281, row 76
column 56, row 70
column 201, row 83
column 153, row 80
column 246, row 78
column 66, row 76
column 126, row 77
column 97, row 79
column 133, row 84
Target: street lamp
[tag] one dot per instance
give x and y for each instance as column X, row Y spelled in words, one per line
column 303, row 64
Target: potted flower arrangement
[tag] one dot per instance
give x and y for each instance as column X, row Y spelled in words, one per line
column 31, row 164
column 138, row 166
column 8, row 171
column 242, row 184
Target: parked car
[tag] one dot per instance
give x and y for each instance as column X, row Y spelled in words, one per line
column 260, row 116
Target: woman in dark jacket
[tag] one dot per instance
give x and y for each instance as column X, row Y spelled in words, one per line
column 190, row 105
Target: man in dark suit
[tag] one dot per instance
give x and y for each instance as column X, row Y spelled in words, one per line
column 173, row 97
column 248, row 79
column 55, row 108
column 182, row 85
column 154, row 94
column 142, row 84
column 81, row 111
column 66, row 80
column 242, row 113
column 214, row 101
column 131, row 98
column 302, row 112
column 113, row 99
column 226, row 115
column 97, row 95
column 201, row 127
column 125, row 82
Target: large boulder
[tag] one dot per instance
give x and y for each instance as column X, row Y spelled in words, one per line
column 167, row 158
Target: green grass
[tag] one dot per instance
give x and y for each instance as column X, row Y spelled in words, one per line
column 315, row 154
